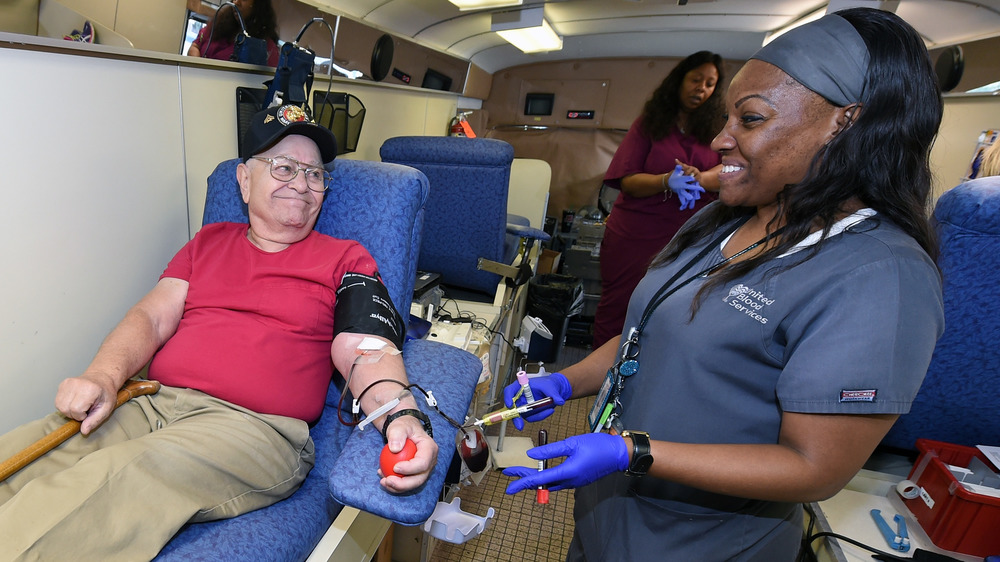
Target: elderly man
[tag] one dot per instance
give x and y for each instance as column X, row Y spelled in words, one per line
column 244, row 329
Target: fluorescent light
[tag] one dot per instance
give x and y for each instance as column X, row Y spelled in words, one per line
column 533, row 39
column 527, row 30
column 993, row 88
column 480, row 4
column 801, row 21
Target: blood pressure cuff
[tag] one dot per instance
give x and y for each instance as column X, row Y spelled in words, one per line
column 364, row 307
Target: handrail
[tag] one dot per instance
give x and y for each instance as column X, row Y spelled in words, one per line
column 512, row 126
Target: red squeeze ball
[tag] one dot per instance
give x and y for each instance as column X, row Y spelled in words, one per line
column 387, row 460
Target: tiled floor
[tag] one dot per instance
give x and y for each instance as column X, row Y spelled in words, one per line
column 522, row 530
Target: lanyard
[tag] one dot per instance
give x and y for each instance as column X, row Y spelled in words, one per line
column 607, row 409
column 662, row 293
column 629, row 364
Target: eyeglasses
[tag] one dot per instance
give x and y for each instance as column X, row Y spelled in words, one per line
column 285, row 169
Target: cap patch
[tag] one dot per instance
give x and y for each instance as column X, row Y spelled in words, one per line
column 288, row 114
column 858, row 395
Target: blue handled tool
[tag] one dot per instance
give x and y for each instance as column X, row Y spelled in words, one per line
column 899, row 539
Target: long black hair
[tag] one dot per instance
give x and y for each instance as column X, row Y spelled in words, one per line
column 659, row 115
column 882, row 158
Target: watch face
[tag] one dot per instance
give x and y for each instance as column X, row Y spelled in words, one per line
column 642, row 464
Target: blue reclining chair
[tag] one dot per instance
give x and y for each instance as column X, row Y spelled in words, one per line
column 467, row 218
column 958, row 402
column 381, row 206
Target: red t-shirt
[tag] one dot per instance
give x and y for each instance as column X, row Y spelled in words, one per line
column 257, row 326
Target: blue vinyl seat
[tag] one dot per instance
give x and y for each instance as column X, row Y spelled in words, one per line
column 467, row 216
column 958, row 402
column 381, row 206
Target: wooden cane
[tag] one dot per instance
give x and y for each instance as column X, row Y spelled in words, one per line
column 22, row 459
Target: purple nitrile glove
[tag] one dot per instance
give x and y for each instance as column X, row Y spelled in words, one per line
column 554, row 385
column 589, row 457
column 687, row 188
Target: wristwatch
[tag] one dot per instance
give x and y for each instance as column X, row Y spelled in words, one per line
column 420, row 416
column 641, row 457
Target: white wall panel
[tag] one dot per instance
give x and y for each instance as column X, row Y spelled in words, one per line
column 965, row 117
column 208, row 97
column 94, row 204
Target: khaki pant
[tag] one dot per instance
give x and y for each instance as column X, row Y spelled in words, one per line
column 159, row 462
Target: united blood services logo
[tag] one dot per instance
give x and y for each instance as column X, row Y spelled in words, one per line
column 288, row 114
column 737, row 290
column 750, row 302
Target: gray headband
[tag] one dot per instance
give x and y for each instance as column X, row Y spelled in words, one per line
column 827, row 56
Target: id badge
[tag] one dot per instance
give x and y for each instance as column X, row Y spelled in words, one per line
column 603, row 405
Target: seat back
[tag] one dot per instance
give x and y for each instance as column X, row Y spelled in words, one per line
column 958, row 401
column 379, row 205
column 530, row 179
column 467, row 208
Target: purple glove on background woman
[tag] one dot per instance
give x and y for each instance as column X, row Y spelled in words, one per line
column 687, row 188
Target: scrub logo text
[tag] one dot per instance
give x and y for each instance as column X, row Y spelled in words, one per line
column 748, row 301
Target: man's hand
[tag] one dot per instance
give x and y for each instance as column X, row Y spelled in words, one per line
column 414, row 472
column 89, row 399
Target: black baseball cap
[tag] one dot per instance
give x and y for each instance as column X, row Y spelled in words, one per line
column 274, row 123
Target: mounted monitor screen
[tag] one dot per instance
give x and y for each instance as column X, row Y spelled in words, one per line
column 434, row 80
column 538, row 104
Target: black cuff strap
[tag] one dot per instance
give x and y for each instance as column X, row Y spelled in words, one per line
column 408, row 412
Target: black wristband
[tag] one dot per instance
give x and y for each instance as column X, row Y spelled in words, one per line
column 408, row 412
column 641, row 457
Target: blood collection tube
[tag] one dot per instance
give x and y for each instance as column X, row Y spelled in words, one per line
column 542, row 493
column 522, row 379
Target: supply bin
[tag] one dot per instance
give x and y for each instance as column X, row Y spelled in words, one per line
column 553, row 298
column 953, row 517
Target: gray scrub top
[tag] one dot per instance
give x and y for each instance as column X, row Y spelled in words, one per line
column 849, row 330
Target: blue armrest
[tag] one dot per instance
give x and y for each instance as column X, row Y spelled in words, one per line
column 528, row 232
column 519, row 227
column 451, row 374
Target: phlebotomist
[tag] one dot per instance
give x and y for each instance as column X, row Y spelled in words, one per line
column 777, row 338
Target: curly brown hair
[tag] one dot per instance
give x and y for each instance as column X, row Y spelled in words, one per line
column 659, row 115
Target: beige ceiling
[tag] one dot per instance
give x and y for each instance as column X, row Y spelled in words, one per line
column 625, row 28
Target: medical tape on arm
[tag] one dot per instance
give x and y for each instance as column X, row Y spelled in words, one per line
column 369, row 351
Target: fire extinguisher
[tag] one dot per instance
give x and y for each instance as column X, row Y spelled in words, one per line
column 460, row 127
column 455, row 130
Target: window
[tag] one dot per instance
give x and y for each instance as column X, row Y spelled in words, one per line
column 193, row 24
